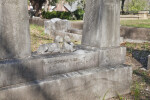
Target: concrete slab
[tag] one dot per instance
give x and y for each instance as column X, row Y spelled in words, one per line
column 112, row 56
column 108, row 56
column 38, row 67
column 89, row 84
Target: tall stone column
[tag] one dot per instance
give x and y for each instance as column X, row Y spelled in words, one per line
column 14, row 29
column 102, row 23
column 102, row 30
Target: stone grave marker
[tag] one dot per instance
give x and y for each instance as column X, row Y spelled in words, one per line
column 101, row 23
column 14, row 29
column 95, row 68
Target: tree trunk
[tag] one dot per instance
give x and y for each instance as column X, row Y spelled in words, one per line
column 46, row 8
column 122, row 7
column 37, row 5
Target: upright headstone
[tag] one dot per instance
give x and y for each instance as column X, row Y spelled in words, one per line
column 102, row 30
column 14, row 29
column 101, row 23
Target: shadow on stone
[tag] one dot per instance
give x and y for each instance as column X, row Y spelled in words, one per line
column 18, row 70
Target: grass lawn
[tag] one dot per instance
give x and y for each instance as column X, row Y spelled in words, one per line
column 138, row 46
column 38, row 37
column 136, row 23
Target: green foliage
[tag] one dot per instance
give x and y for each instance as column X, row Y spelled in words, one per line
column 136, row 23
column 56, row 14
column 38, row 37
column 137, row 5
column 120, row 97
column 28, row 2
column 37, row 5
column 104, row 95
column 81, row 4
column 77, row 15
column 136, row 91
column 65, row 15
column 70, row 1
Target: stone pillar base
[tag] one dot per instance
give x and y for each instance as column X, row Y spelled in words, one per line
column 112, row 56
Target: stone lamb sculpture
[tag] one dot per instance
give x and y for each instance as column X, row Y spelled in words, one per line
column 60, row 45
column 51, row 47
column 68, row 45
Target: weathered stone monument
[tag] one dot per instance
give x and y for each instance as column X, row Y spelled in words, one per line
column 58, row 27
column 96, row 67
column 101, row 24
column 102, row 30
column 14, row 29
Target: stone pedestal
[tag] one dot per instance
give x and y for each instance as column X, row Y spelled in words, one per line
column 102, row 30
column 89, row 84
column 14, row 29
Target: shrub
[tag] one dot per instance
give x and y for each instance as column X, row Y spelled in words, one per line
column 56, row 14
column 65, row 15
column 137, row 5
column 78, row 14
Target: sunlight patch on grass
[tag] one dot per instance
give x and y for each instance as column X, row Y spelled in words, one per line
column 136, row 23
column 138, row 46
column 38, row 37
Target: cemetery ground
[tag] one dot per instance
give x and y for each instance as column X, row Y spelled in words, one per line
column 136, row 23
column 38, row 37
column 137, row 54
column 136, row 57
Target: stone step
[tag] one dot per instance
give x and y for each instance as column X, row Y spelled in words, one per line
column 89, row 84
column 38, row 67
